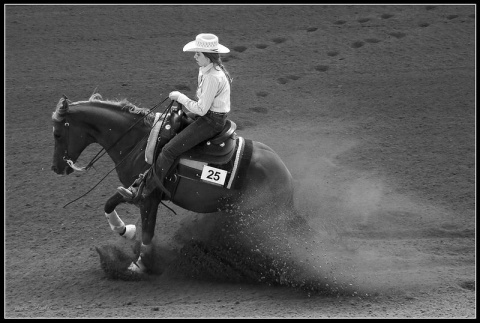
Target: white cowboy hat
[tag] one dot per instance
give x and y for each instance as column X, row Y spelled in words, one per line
column 207, row 43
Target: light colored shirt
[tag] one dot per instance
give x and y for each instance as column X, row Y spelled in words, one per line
column 213, row 92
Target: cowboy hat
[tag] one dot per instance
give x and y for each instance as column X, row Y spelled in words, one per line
column 207, row 43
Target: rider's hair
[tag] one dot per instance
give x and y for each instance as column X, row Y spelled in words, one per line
column 217, row 60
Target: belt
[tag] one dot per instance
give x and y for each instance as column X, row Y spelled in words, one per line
column 217, row 113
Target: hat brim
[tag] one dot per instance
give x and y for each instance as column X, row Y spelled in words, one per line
column 191, row 47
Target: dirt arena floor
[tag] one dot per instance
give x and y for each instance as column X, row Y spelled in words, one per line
column 371, row 107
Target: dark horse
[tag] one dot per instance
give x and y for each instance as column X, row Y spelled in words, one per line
column 224, row 171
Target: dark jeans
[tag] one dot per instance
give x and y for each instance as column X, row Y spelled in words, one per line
column 201, row 129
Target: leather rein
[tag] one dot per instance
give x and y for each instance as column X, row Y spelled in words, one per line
column 103, row 151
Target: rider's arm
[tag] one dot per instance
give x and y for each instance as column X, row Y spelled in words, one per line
column 205, row 96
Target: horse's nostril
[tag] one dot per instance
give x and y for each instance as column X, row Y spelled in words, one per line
column 54, row 168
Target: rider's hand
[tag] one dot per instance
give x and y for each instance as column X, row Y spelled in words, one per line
column 174, row 95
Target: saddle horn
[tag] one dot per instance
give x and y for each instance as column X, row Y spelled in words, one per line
column 64, row 102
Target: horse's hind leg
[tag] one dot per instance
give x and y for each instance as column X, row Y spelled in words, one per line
column 117, row 225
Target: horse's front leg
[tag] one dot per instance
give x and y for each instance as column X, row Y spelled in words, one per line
column 148, row 212
column 117, row 225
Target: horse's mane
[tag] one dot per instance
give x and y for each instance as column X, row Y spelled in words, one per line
column 123, row 104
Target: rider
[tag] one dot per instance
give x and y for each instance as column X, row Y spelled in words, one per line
column 210, row 110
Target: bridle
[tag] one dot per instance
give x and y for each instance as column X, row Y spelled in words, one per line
column 66, row 157
column 103, row 151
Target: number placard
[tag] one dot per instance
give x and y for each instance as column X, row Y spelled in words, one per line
column 214, row 175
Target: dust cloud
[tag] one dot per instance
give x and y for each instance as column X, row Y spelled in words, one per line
column 341, row 237
column 362, row 231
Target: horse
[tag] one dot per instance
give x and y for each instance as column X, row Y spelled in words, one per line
column 224, row 171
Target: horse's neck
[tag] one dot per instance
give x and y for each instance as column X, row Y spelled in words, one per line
column 113, row 130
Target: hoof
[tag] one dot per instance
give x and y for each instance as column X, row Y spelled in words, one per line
column 130, row 232
column 114, row 263
column 137, row 267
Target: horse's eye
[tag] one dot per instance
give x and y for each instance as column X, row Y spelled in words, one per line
column 56, row 135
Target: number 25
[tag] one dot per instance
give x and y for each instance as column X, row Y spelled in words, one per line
column 215, row 176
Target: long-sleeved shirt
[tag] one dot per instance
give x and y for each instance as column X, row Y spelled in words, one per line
column 213, row 92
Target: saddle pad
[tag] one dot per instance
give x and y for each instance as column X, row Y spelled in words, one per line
column 193, row 169
column 237, row 181
column 152, row 139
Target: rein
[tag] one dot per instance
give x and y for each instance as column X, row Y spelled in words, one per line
column 103, row 151
column 100, row 154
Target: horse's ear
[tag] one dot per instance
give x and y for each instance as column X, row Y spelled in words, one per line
column 61, row 109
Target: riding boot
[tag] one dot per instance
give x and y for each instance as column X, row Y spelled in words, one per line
column 135, row 190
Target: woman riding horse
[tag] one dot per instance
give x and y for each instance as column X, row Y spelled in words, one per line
column 210, row 111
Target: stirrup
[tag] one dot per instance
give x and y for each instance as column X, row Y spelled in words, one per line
column 126, row 192
column 131, row 194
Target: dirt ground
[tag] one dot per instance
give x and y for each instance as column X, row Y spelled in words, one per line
column 371, row 107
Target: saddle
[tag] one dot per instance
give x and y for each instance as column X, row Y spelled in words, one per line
column 217, row 149
column 214, row 156
column 209, row 182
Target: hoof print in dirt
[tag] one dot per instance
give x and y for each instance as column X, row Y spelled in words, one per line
column 321, row 68
column 240, row 49
column 357, row 44
column 279, row 40
column 363, row 20
column 397, row 34
column 261, row 46
column 386, row 16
